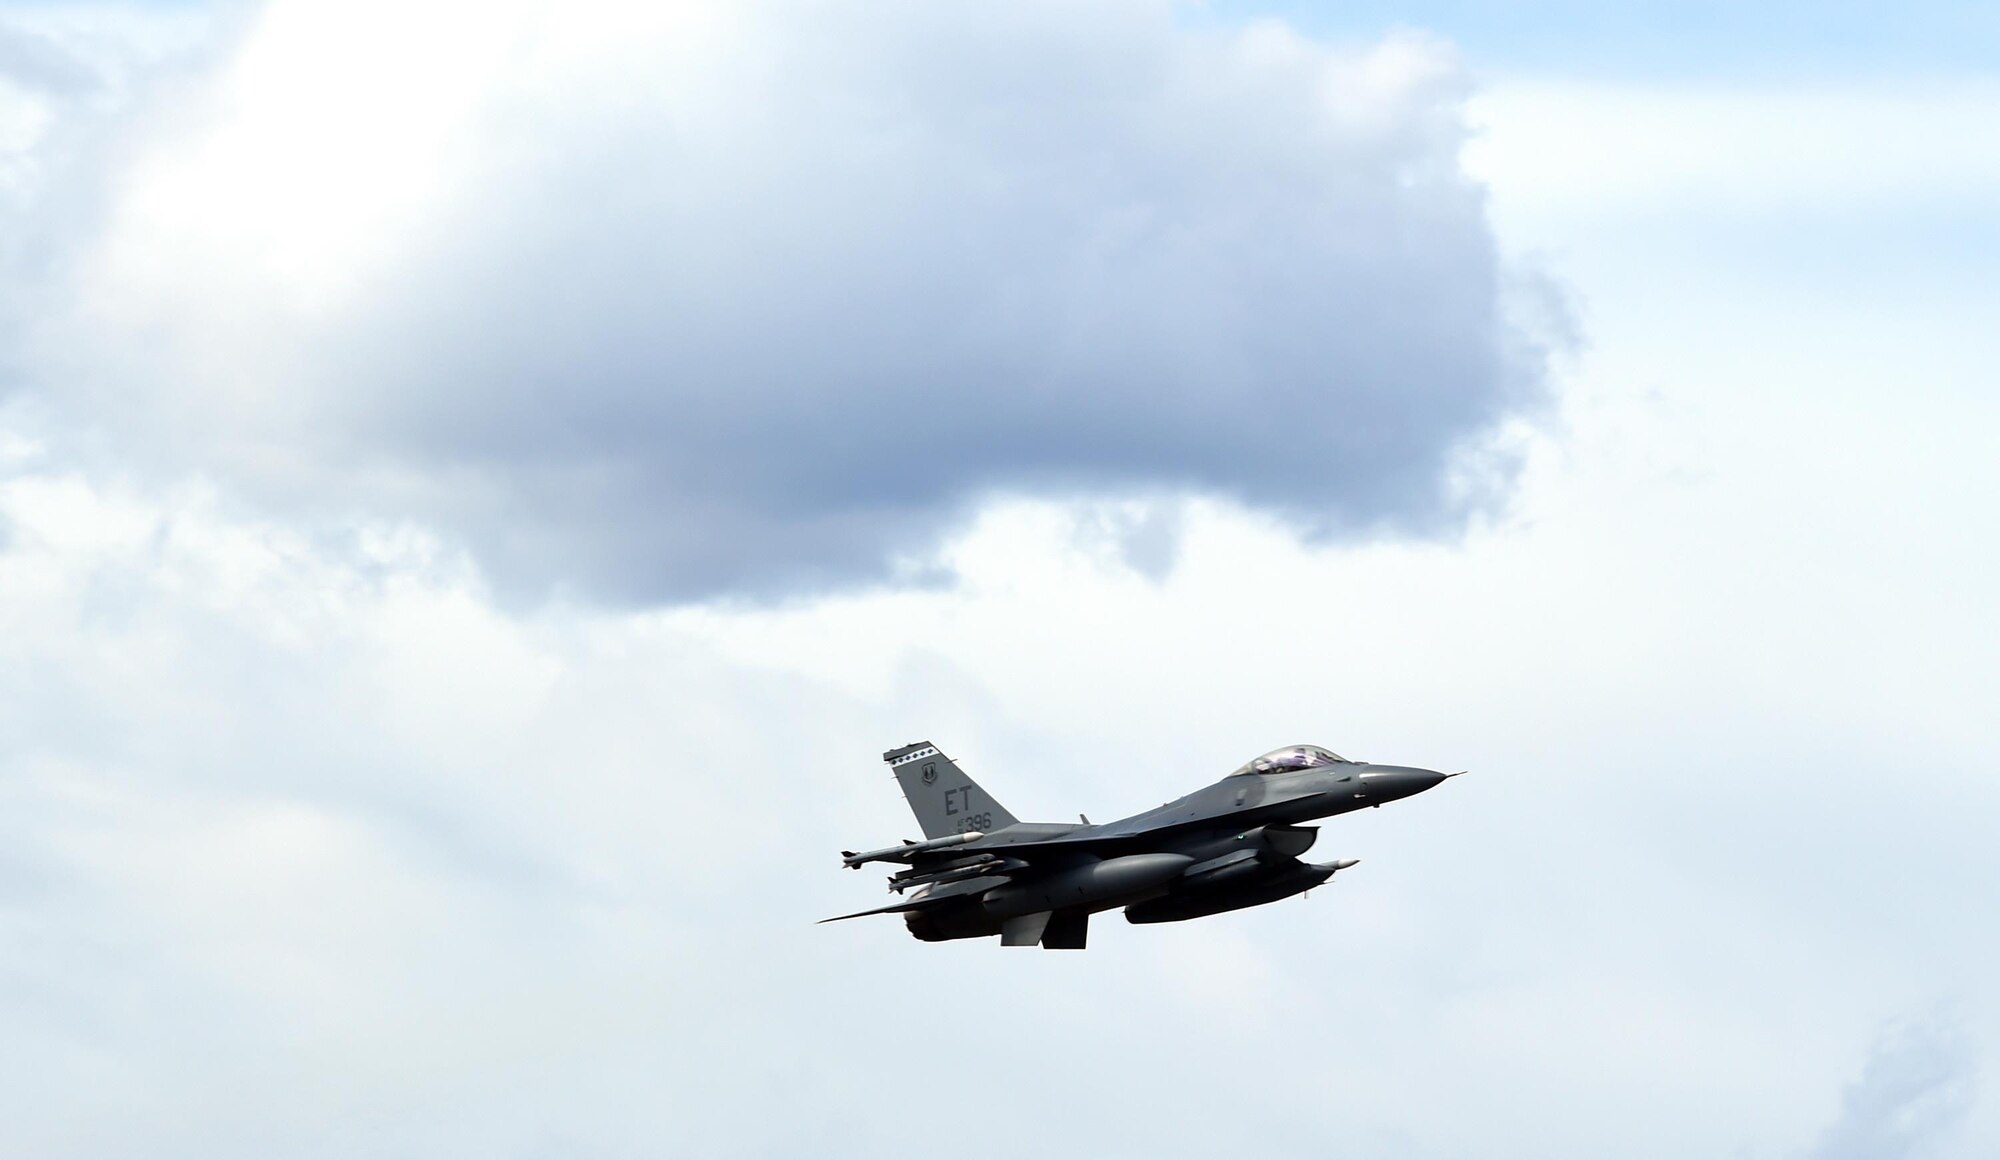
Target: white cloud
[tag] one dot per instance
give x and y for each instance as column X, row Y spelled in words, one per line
column 1915, row 1089
column 701, row 300
column 309, row 845
column 474, row 879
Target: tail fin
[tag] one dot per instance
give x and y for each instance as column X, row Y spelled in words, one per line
column 944, row 799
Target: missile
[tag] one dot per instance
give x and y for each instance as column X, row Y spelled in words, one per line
column 979, row 869
column 982, row 858
column 907, row 850
column 956, row 868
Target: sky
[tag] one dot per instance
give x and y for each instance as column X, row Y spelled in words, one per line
column 480, row 486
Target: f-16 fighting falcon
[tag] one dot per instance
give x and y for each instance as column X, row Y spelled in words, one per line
column 1236, row 843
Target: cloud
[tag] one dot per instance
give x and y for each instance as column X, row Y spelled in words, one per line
column 319, row 852
column 305, row 854
column 699, row 300
column 1917, row 1086
column 34, row 61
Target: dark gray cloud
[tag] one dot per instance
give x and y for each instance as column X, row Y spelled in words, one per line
column 781, row 315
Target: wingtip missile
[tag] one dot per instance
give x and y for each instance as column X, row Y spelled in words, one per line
column 907, row 850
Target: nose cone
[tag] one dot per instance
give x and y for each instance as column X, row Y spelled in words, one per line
column 1386, row 783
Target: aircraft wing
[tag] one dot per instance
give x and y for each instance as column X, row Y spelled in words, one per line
column 946, row 868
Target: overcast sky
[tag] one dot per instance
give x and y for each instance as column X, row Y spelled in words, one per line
column 480, row 485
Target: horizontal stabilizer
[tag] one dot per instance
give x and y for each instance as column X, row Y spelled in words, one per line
column 934, row 894
column 892, row 908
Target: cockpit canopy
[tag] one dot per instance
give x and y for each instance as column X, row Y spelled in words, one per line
column 1290, row 758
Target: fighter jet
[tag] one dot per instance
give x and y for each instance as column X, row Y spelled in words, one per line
column 980, row 872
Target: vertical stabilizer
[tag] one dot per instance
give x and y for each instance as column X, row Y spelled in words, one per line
column 944, row 799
